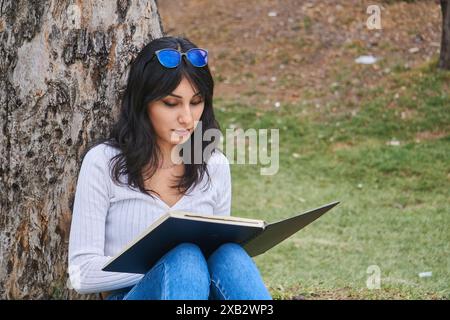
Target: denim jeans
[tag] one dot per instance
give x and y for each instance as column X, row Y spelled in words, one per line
column 183, row 273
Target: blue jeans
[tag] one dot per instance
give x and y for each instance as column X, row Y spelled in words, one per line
column 183, row 273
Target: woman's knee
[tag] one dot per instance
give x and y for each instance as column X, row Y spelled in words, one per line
column 188, row 258
column 182, row 273
column 187, row 267
column 187, row 252
column 229, row 255
column 231, row 250
column 235, row 274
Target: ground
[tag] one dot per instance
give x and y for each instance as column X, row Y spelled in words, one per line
column 376, row 137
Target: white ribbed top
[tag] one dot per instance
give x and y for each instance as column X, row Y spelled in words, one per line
column 106, row 217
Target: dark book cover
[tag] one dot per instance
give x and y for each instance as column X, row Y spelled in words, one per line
column 208, row 232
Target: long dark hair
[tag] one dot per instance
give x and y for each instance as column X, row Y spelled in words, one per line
column 133, row 133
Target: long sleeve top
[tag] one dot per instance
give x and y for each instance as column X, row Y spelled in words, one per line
column 107, row 216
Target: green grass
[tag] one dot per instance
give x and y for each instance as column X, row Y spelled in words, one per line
column 395, row 199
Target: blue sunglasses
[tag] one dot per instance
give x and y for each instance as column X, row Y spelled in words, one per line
column 171, row 58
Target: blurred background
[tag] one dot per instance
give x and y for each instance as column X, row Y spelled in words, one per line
column 364, row 118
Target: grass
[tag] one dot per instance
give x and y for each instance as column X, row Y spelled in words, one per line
column 389, row 165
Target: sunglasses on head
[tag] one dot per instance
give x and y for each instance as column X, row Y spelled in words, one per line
column 171, row 58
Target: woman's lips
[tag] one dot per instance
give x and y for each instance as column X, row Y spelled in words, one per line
column 182, row 133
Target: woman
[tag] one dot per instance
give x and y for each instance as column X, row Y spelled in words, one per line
column 131, row 178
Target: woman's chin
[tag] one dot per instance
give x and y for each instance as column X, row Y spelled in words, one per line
column 176, row 139
column 179, row 140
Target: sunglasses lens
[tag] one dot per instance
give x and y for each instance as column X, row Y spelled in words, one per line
column 198, row 57
column 169, row 58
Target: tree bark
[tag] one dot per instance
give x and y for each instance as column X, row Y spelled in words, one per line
column 63, row 67
column 444, row 60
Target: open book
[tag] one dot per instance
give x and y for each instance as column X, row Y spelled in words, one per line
column 208, row 232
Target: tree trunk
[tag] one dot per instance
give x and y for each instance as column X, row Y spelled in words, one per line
column 444, row 61
column 63, row 67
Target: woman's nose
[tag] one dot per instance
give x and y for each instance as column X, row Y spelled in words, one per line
column 185, row 115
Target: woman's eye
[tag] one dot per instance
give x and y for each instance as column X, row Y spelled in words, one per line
column 169, row 104
column 174, row 104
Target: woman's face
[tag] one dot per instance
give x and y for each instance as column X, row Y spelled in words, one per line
column 173, row 117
